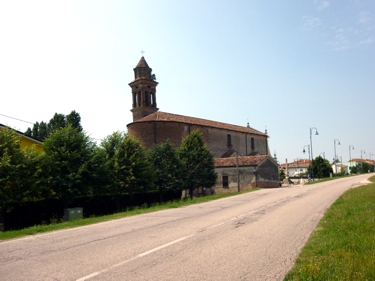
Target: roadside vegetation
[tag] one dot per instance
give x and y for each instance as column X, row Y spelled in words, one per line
column 342, row 247
column 73, row 167
column 60, row 224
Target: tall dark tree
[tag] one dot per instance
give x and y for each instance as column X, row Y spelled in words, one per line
column 322, row 167
column 167, row 167
column 74, row 119
column 43, row 131
column 130, row 169
column 198, row 163
column 68, row 157
column 28, row 132
column 58, row 121
column 35, row 132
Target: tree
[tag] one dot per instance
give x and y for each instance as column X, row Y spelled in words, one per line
column 69, row 154
column 353, row 170
column 130, row 169
column 11, row 164
column 322, row 167
column 35, row 132
column 167, row 167
column 282, row 175
column 365, row 167
column 42, row 130
column 32, row 175
column 198, row 163
column 57, row 122
column 74, row 119
column 28, row 132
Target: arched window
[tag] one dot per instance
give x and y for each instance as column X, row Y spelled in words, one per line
column 252, row 143
column 152, row 98
column 147, row 99
column 229, row 140
column 135, row 99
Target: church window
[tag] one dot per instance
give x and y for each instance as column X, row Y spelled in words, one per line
column 252, row 143
column 229, row 140
column 207, row 130
column 225, row 181
column 135, row 100
column 147, row 98
column 185, row 128
column 152, row 98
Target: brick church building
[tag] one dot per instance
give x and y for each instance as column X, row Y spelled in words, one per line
column 151, row 126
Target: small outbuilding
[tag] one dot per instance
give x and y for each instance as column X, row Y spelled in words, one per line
column 245, row 172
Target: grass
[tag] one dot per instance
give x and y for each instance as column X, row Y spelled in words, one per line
column 342, row 247
column 329, row 179
column 58, row 225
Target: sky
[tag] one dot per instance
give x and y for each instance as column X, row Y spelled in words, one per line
column 288, row 67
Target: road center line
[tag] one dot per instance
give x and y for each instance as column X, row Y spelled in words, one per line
column 87, row 277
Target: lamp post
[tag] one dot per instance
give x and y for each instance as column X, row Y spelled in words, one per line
column 335, row 158
column 308, row 147
column 312, row 157
column 304, row 151
column 350, row 156
column 362, row 161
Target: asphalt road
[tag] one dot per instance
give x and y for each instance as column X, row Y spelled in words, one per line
column 253, row 236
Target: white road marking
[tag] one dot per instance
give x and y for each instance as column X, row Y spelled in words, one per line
column 87, row 277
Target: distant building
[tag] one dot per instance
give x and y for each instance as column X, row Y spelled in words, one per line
column 297, row 167
column 26, row 141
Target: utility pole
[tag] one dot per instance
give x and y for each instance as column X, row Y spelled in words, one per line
column 238, row 173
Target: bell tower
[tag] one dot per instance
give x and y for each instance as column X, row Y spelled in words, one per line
column 143, row 91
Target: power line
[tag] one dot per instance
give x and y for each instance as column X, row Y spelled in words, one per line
column 31, row 123
column 16, row 119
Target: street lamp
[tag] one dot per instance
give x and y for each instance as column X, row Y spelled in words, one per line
column 350, row 156
column 312, row 157
column 335, row 158
column 361, row 160
column 308, row 147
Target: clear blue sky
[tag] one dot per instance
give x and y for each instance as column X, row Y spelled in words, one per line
column 282, row 65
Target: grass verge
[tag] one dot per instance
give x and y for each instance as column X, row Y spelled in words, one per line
column 135, row 211
column 329, row 179
column 342, row 247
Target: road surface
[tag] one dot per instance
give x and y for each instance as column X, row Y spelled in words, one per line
column 253, row 236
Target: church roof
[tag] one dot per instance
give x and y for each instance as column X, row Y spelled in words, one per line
column 242, row 161
column 142, row 63
column 169, row 117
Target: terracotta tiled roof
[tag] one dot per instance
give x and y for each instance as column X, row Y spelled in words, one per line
column 242, row 161
column 169, row 117
column 359, row 160
column 142, row 63
column 299, row 163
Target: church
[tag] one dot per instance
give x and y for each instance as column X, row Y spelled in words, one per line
column 151, row 126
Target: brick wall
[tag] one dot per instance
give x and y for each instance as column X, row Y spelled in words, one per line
column 149, row 133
